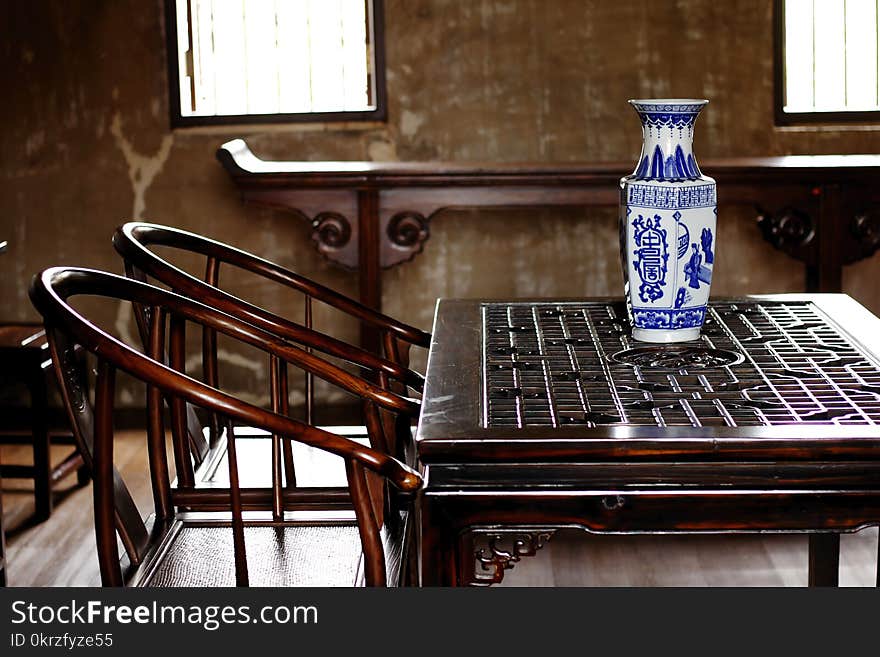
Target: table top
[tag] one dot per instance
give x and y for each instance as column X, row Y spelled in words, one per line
column 782, row 376
column 241, row 163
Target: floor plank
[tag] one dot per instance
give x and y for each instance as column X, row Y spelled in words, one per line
column 61, row 551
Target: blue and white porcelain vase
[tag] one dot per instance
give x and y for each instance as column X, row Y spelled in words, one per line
column 667, row 226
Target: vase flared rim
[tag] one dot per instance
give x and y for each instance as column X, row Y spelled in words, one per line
column 667, row 101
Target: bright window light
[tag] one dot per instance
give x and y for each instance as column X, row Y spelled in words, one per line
column 270, row 57
column 830, row 56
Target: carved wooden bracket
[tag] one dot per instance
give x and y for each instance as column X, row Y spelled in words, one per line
column 790, row 230
column 794, row 232
column 494, row 550
column 332, row 235
column 865, row 229
column 403, row 237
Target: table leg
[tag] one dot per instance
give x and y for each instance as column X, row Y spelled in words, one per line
column 824, row 559
column 437, row 546
column 42, row 457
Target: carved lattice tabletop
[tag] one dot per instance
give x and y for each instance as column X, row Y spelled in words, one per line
column 539, row 415
column 756, row 363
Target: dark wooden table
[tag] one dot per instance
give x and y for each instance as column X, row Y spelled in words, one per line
column 542, row 415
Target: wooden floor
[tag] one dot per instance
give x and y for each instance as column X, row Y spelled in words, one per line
column 61, row 551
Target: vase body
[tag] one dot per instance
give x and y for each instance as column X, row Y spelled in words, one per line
column 668, row 218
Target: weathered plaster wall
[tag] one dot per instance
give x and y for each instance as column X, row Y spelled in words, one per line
column 86, row 143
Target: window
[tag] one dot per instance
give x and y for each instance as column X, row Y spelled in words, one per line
column 826, row 60
column 262, row 61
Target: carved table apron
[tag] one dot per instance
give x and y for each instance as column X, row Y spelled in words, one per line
column 541, row 415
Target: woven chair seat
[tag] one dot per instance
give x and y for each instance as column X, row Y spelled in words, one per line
column 277, row 556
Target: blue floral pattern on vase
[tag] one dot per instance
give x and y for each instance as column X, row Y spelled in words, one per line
column 669, row 319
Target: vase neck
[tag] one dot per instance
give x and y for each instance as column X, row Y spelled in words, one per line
column 667, row 143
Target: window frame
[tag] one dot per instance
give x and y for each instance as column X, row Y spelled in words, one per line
column 784, row 118
column 376, row 14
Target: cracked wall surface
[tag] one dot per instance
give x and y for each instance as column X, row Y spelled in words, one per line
column 86, row 145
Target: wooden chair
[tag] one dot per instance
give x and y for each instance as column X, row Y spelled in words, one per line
column 134, row 240
column 176, row 546
column 24, row 358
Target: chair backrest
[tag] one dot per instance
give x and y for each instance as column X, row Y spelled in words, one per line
column 93, row 424
column 133, row 241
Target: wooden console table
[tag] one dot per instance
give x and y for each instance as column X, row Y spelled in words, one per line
column 823, row 210
column 540, row 415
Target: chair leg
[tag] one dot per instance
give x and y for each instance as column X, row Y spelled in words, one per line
column 2, row 545
column 82, row 476
column 824, row 559
column 42, row 457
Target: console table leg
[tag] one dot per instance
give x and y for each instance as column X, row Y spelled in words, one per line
column 438, row 562
column 826, row 275
column 369, row 264
column 824, row 559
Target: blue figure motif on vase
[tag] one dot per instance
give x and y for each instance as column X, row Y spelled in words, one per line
column 692, row 269
column 651, row 256
column 695, row 271
column 706, row 241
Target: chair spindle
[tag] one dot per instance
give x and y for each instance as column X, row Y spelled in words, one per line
column 241, row 567
column 105, row 516
column 156, row 422
column 310, row 379
column 177, row 359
